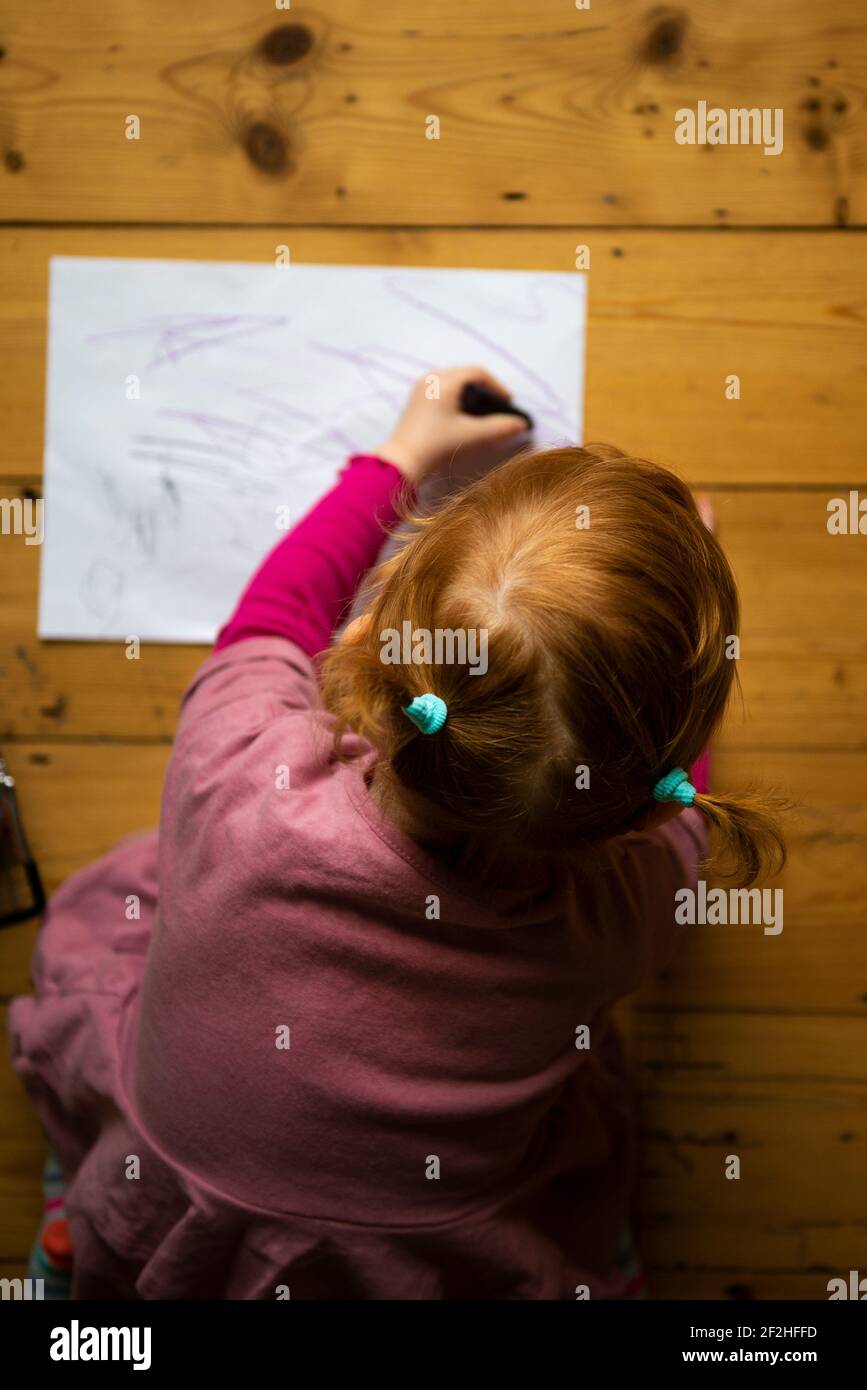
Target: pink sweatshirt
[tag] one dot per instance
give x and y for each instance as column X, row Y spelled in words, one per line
column 343, row 1068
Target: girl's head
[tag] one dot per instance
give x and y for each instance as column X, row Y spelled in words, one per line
column 581, row 614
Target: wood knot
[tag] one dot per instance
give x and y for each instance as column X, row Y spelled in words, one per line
column 266, row 148
column 288, row 43
column 14, row 161
column 816, row 137
column 56, row 710
column 664, row 38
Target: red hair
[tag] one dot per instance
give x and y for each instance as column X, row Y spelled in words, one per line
column 606, row 645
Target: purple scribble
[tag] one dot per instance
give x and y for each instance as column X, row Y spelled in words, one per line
column 207, row 468
column 489, row 344
column 219, row 428
column 277, row 407
column 371, row 365
column 207, row 447
column 180, row 335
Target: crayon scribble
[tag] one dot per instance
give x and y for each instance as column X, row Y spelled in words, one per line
column 180, row 335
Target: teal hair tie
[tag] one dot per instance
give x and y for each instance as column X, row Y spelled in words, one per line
column 675, row 786
column 427, row 712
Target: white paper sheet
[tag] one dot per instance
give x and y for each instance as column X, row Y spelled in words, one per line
column 192, row 406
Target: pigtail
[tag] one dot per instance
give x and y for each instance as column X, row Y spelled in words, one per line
column 747, row 842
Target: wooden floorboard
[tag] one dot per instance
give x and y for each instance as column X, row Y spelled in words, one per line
column 547, row 114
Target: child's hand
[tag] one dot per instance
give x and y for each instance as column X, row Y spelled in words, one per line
column 431, row 433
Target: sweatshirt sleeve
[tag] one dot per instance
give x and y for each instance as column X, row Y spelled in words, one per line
column 663, row 863
column 308, row 581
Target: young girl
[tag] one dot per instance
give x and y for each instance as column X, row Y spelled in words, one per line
column 351, row 1039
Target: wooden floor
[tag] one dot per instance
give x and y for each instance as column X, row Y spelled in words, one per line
column 306, row 127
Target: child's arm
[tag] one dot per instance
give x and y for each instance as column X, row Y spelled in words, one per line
column 659, row 865
column 308, row 580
